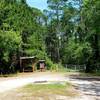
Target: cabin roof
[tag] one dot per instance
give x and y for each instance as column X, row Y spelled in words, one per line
column 27, row 57
column 41, row 60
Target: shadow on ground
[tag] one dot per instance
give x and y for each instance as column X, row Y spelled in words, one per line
column 88, row 85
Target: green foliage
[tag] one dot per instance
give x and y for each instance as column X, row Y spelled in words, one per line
column 66, row 33
column 49, row 63
column 21, row 32
column 77, row 53
column 10, row 41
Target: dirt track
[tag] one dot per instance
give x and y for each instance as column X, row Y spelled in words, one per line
column 87, row 86
column 15, row 82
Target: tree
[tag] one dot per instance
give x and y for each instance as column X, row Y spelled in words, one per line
column 90, row 13
column 68, row 32
column 20, row 21
column 10, row 42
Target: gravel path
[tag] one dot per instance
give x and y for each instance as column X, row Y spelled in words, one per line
column 88, row 88
column 9, row 84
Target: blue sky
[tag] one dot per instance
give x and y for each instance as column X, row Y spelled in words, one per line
column 40, row 4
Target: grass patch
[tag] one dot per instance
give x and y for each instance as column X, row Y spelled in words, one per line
column 9, row 75
column 42, row 90
column 96, row 73
column 90, row 74
column 39, row 87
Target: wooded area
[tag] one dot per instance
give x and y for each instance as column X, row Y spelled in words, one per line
column 68, row 32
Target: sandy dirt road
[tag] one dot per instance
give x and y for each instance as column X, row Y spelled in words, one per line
column 89, row 87
column 7, row 84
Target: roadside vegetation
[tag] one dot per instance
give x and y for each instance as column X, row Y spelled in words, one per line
column 67, row 32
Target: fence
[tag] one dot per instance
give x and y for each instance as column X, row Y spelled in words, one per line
column 96, row 67
column 75, row 67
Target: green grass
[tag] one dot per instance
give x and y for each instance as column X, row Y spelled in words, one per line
column 47, row 86
column 9, row 75
column 90, row 74
column 37, row 90
column 41, row 92
column 97, row 73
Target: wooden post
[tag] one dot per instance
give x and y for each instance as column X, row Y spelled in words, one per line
column 66, row 66
column 32, row 66
column 21, row 64
column 75, row 67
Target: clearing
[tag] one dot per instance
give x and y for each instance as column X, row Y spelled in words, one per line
column 50, row 86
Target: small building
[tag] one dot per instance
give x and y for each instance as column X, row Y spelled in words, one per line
column 27, row 64
column 42, row 66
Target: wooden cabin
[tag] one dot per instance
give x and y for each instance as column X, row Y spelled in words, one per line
column 27, row 64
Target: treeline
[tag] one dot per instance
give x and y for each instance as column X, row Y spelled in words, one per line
column 74, row 32
column 67, row 33
column 21, row 33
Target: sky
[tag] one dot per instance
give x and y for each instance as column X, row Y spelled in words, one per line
column 40, row 4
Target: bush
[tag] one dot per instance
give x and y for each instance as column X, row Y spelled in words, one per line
column 76, row 53
column 49, row 63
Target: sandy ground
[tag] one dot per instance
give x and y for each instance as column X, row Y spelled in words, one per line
column 88, row 87
column 7, row 84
